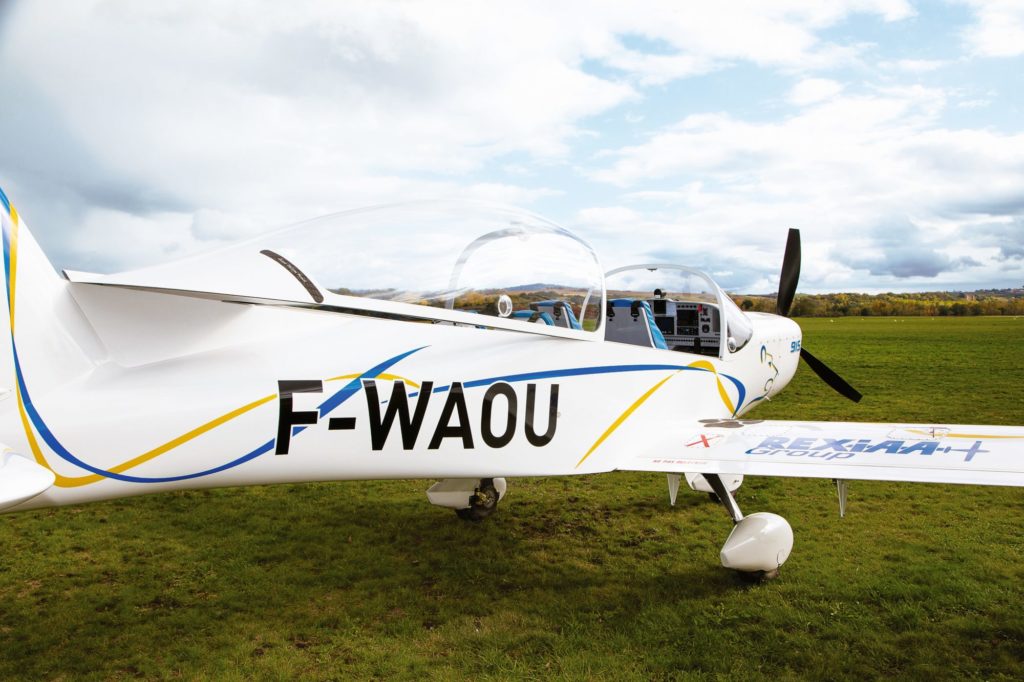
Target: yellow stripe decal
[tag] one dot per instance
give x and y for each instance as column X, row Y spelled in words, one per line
column 624, row 416
column 73, row 482
column 383, row 377
column 12, row 279
column 186, row 437
column 722, row 393
column 699, row 364
column 69, row 481
column 36, row 452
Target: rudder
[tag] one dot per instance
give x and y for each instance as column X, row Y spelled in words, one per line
column 43, row 327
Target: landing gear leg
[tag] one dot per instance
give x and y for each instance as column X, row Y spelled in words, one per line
column 723, row 495
column 759, row 543
column 482, row 503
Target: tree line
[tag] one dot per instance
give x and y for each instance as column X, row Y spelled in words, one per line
column 932, row 304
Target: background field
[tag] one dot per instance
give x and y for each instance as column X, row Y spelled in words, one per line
column 590, row 577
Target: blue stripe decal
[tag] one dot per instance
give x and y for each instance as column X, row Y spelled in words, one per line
column 7, row 269
column 44, row 432
column 51, row 440
column 558, row 374
column 585, row 371
column 5, row 201
column 740, row 388
column 354, row 386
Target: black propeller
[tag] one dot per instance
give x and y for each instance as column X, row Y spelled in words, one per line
column 790, row 274
column 787, row 290
column 829, row 377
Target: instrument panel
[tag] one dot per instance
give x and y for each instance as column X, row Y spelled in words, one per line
column 688, row 326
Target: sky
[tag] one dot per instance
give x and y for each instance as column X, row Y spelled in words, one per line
column 890, row 132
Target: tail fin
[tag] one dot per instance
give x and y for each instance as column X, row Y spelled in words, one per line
column 43, row 329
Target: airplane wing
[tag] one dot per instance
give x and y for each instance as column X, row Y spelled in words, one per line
column 927, row 453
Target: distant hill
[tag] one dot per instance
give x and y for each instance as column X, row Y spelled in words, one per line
column 931, row 303
column 537, row 287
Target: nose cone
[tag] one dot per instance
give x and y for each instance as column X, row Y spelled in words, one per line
column 788, row 356
column 793, row 328
column 779, row 340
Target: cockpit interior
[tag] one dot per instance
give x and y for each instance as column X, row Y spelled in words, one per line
column 672, row 307
column 661, row 322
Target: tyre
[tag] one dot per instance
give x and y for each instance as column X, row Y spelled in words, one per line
column 482, row 504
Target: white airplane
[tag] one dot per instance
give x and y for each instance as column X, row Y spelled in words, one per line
column 386, row 343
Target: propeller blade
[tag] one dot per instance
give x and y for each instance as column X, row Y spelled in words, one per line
column 788, row 280
column 830, row 377
column 790, row 274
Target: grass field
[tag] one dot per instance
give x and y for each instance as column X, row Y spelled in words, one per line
column 586, row 578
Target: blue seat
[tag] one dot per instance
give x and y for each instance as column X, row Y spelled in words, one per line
column 560, row 311
column 532, row 316
column 632, row 321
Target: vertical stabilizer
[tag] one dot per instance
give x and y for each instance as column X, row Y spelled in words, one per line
column 45, row 334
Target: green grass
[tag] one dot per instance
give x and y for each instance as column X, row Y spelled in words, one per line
column 586, row 578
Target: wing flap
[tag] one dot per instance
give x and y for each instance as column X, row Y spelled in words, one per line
column 983, row 455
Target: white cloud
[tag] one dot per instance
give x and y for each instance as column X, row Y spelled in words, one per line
column 998, row 30
column 164, row 124
column 324, row 91
column 973, row 103
column 870, row 167
column 814, row 90
column 104, row 238
column 293, row 110
column 914, row 65
column 658, row 69
column 211, row 224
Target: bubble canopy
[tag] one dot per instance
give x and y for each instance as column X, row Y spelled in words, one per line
column 683, row 284
column 451, row 261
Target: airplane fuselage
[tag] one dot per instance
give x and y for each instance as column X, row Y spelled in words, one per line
column 263, row 394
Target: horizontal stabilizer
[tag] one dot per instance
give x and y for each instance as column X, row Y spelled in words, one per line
column 983, row 455
column 21, row 479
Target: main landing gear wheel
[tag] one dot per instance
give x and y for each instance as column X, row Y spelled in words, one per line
column 754, row 577
column 482, row 504
column 759, row 543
